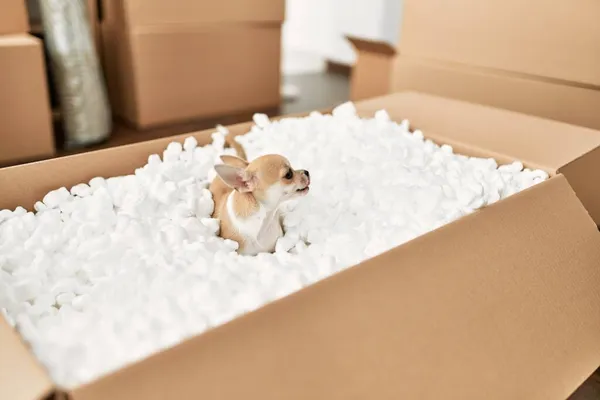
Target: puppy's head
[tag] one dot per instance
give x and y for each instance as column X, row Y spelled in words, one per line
column 271, row 178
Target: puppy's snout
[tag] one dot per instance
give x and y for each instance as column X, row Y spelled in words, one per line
column 305, row 172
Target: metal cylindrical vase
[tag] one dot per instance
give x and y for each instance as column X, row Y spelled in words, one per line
column 80, row 84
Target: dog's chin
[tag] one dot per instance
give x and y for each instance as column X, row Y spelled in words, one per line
column 302, row 192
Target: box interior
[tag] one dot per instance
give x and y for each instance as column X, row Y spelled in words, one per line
column 471, row 306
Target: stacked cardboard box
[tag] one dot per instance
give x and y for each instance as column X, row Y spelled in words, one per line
column 522, row 56
column 25, row 118
column 170, row 61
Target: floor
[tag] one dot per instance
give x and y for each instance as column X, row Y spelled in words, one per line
column 316, row 91
column 590, row 390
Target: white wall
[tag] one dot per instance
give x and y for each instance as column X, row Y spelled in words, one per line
column 315, row 29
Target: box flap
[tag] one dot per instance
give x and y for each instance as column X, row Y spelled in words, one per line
column 501, row 304
column 21, row 376
column 372, row 72
column 144, row 13
column 374, row 46
column 507, row 136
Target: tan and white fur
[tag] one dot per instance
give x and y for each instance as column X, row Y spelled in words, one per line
column 248, row 198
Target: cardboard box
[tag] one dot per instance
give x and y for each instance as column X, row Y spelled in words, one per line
column 501, row 304
column 380, row 70
column 13, row 17
column 25, row 119
column 522, row 56
column 167, row 64
column 559, row 41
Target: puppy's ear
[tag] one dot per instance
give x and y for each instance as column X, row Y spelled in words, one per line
column 234, row 161
column 236, row 178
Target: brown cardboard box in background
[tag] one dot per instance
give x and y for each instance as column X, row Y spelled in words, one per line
column 521, row 56
column 13, row 17
column 560, row 41
column 167, row 63
column 179, row 76
column 25, row 119
column 379, row 70
column 481, row 308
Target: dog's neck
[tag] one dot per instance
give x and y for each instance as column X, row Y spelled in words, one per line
column 258, row 222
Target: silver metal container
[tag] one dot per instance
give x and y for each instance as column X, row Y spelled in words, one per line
column 80, row 84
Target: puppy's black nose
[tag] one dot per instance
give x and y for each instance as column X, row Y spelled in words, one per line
column 305, row 172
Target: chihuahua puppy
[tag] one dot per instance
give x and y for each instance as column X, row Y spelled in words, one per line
column 248, row 197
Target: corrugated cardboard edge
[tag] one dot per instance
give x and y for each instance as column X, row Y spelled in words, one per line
column 21, row 376
column 372, row 73
column 421, row 321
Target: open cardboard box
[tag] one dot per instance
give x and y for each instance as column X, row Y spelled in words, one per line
column 501, row 304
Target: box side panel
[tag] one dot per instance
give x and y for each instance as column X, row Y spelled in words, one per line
column 25, row 119
column 512, row 35
column 570, row 104
column 537, row 142
column 13, row 17
column 501, row 304
column 22, row 378
column 205, row 72
column 194, row 12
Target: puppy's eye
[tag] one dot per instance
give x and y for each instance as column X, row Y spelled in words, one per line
column 289, row 174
